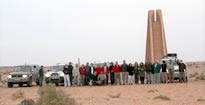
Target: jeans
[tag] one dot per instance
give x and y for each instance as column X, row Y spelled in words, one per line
column 171, row 76
column 124, row 78
column 182, row 75
column 82, row 79
column 130, row 79
column 149, row 77
column 75, row 82
column 66, row 80
column 156, row 77
column 136, row 78
column 40, row 81
column 117, row 78
column 164, row 77
column 112, row 78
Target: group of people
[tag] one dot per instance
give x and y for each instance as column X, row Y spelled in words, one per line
column 125, row 74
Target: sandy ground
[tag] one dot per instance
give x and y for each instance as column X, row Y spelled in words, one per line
column 179, row 94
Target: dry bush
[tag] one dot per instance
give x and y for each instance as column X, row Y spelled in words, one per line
column 27, row 102
column 200, row 99
column 193, row 75
column 50, row 95
column 17, row 95
column 162, row 97
column 200, row 77
column 114, row 95
column 152, row 91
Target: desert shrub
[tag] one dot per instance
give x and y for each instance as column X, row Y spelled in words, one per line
column 17, row 95
column 200, row 99
column 27, row 102
column 200, row 77
column 50, row 95
column 162, row 97
column 152, row 91
column 114, row 95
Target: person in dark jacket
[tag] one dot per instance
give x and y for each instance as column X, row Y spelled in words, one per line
column 164, row 72
column 124, row 73
column 148, row 67
column 88, row 73
column 70, row 72
column 66, row 76
column 40, row 75
column 182, row 69
column 136, row 72
column 130, row 70
column 112, row 74
column 142, row 72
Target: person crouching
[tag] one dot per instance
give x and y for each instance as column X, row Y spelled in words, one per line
column 101, row 79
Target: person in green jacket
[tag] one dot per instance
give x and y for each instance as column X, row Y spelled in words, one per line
column 142, row 72
column 156, row 71
column 136, row 73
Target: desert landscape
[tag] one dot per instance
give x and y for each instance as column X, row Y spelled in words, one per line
column 191, row 93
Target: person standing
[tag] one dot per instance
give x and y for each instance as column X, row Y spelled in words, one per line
column 136, row 72
column 82, row 71
column 98, row 69
column 92, row 71
column 112, row 75
column 116, row 70
column 70, row 72
column 182, row 69
column 164, row 72
column 76, row 74
column 124, row 73
column 106, row 71
column 170, row 67
column 148, row 67
column 66, row 76
column 156, row 71
column 142, row 72
column 130, row 70
column 88, row 73
column 40, row 75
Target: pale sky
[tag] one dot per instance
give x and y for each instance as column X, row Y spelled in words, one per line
column 47, row 32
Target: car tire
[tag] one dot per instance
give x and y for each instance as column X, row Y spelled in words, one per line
column 21, row 84
column 57, row 84
column 10, row 85
column 29, row 83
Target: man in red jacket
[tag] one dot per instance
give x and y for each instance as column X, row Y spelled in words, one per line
column 105, row 71
column 116, row 70
column 82, row 71
column 98, row 69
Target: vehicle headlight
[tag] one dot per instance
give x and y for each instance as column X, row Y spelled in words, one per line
column 62, row 74
column 25, row 76
column 47, row 75
column 9, row 76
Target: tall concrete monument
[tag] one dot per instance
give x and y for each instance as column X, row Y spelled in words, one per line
column 156, row 42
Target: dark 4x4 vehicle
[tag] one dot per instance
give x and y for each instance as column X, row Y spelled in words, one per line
column 24, row 74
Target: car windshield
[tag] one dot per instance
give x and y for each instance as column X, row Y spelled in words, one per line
column 57, row 68
column 23, row 69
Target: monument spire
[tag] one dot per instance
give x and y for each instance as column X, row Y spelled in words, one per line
column 156, row 46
